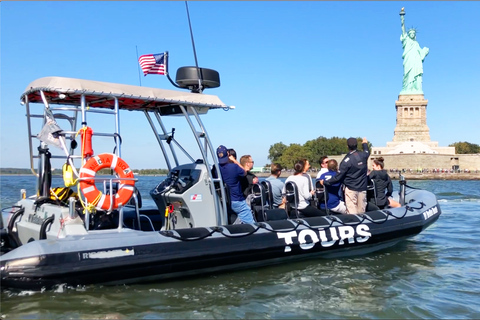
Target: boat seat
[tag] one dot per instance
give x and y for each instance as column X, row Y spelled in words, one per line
column 322, row 197
column 291, row 195
column 150, row 219
column 263, row 211
column 259, row 202
column 371, row 192
column 135, row 197
column 276, row 214
column 136, row 194
column 371, row 207
column 268, row 190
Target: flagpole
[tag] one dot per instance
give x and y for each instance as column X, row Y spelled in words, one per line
column 166, row 70
column 138, row 65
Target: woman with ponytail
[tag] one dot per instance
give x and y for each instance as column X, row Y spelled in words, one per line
column 383, row 185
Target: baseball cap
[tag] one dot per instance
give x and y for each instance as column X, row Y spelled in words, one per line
column 222, row 154
column 352, row 143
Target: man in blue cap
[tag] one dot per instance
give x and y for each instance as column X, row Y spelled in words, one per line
column 232, row 172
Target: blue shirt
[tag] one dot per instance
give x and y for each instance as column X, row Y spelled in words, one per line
column 231, row 175
column 333, row 190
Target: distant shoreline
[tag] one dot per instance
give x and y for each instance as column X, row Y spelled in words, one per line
column 393, row 176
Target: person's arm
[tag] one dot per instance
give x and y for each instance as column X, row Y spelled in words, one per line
column 339, row 176
column 365, row 145
column 232, row 159
column 402, row 20
column 389, row 187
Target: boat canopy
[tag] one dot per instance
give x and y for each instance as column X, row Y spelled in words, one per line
column 69, row 91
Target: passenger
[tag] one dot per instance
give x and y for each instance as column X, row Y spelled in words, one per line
column 232, row 172
column 250, row 179
column 382, row 183
column 304, row 195
column 323, row 165
column 353, row 174
column 307, row 175
column 335, row 202
column 232, row 153
column 277, row 186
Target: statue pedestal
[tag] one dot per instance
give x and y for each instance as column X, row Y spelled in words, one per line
column 411, row 119
column 412, row 135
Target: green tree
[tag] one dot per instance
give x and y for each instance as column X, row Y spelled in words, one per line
column 317, row 148
column 465, row 147
column 293, row 152
column 276, row 151
column 312, row 150
column 339, row 146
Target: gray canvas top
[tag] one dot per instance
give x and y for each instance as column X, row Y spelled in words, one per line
column 68, row 91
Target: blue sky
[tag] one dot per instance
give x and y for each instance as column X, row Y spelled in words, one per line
column 294, row 70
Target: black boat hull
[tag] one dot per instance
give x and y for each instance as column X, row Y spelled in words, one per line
column 134, row 256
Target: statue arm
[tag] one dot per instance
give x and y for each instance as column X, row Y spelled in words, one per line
column 402, row 20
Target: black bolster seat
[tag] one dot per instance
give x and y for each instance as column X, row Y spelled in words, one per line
column 262, row 207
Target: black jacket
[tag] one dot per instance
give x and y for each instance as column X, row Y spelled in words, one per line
column 247, row 183
column 382, row 182
column 353, row 170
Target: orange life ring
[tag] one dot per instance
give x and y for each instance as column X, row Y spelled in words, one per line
column 95, row 196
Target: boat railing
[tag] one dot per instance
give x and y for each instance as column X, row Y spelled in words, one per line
column 77, row 114
column 75, row 109
column 108, row 188
column 204, row 146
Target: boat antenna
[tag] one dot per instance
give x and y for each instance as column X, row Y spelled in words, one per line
column 194, row 51
column 138, row 66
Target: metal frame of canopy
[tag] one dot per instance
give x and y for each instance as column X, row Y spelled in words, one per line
column 80, row 97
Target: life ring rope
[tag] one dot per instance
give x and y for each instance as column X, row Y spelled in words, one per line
column 94, row 196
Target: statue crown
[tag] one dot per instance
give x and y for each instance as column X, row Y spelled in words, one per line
column 412, row 29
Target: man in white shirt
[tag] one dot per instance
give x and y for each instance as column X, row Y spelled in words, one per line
column 324, row 166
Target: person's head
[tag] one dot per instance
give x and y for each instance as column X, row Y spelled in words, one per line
column 307, row 165
column 352, row 144
column 412, row 33
column 378, row 164
column 332, row 165
column 232, row 153
column 247, row 162
column 276, row 169
column 299, row 166
column 323, row 161
column 222, row 154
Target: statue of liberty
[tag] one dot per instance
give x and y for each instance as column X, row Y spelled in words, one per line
column 413, row 57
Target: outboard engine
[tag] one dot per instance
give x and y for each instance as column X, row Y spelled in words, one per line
column 186, row 198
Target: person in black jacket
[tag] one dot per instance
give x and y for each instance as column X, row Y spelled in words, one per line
column 382, row 183
column 250, row 179
column 353, row 174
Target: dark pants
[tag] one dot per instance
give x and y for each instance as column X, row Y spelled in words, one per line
column 311, row 211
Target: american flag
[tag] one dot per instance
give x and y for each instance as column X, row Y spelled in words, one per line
column 152, row 63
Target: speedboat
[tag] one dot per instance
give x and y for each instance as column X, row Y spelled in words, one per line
column 95, row 229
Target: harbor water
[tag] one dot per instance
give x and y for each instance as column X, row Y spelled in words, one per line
column 435, row 274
